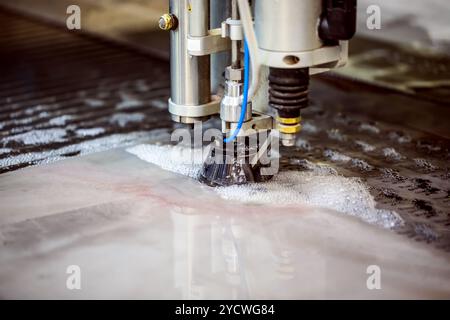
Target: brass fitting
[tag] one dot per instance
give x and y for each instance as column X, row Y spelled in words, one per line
column 288, row 128
column 289, row 125
column 168, row 22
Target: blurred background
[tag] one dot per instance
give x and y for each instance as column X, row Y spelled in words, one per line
column 417, row 27
column 411, row 22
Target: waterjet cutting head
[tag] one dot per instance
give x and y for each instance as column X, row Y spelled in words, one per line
column 235, row 162
column 293, row 39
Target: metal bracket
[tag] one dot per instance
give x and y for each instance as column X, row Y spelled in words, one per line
column 259, row 121
column 320, row 59
column 232, row 29
column 212, row 43
column 207, row 109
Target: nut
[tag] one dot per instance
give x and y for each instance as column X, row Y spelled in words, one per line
column 234, row 74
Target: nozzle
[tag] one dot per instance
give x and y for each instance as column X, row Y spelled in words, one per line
column 288, row 94
column 232, row 163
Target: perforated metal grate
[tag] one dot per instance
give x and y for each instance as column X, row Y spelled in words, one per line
column 60, row 88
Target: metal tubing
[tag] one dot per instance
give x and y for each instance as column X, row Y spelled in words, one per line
column 220, row 10
column 288, row 25
column 190, row 76
column 235, row 54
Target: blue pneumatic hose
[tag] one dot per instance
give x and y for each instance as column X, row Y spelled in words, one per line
column 245, row 93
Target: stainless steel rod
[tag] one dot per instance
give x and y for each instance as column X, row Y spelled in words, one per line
column 190, row 76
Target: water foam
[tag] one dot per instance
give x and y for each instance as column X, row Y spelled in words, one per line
column 94, row 103
column 89, row 132
column 425, row 164
column 178, row 159
column 366, row 147
column 366, row 127
column 122, row 119
column 392, row 154
column 61, row 120
column 36, row 137
column 85, row 147
column 317, row 186
column 303, row 144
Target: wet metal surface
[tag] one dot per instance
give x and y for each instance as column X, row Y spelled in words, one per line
column 408, row 170
column 137, row 231
column 60, row 90
column 419, row 72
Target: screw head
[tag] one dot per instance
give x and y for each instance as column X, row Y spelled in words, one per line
column 168, row 22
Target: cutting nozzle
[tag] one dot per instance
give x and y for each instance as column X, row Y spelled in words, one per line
column 235, row 162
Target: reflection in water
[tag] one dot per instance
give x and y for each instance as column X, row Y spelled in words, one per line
column 240, row 257
column 207, row 247
column 156, row 235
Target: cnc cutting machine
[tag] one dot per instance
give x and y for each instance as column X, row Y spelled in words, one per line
column 250, row 62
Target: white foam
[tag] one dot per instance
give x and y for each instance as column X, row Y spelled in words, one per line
column 369, row 128
column 87, row 147
column 129, row 101
column 319, row 168
column 43, row 114
column 425, row 164
column 336, row 156
column 20, row 121
column 345, row 195
column 303, row 144
column 159, row 104
column 94, row 103
column 337, row 135
column 129, row 104
column 316, row 187
column 430, row 147
column 182, row 160
column 89, row 132
column 309, row 127
column 61, row 120
column 366, row 147
column 391, row 153
column 142, row 86
column 122, row 119
column 38, row 136
column 399, row 137
column 32, row 110
column 361, row 164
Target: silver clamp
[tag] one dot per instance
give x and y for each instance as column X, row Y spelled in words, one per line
column 259, row 121
column 197, row 111
column 232, row 29
column 212, row 43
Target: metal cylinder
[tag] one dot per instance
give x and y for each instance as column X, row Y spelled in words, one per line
column 288, row 25
column 190, row 75
column 220, row 10
column 235, row 52
column 231, row 104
